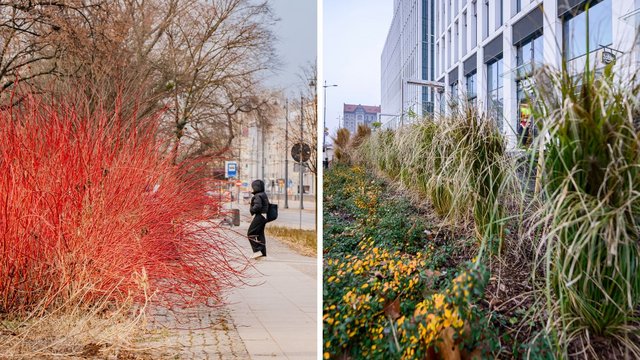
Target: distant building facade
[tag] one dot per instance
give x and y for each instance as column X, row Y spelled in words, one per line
column 354, row 115
column 263, row 151
column 408, row 55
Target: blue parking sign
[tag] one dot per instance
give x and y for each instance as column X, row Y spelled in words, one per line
column 230, row 169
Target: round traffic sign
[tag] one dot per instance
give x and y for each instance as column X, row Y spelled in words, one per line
column 301, row 152
column 238, row 183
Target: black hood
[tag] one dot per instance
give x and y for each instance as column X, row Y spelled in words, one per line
column 257, row 186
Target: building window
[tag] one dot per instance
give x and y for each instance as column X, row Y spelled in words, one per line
column 499, row 13
column 454, row 94
column 456, row 41
column 450, row 52
column 472, row 94
column 485, row 19
column 494, row 91
column 527, row 55
column 575, row 39
column 465, row 28
column 474, row 27
column 518, row 6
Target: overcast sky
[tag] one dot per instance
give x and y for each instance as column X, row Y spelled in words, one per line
column 354, row 34
column 297, row 40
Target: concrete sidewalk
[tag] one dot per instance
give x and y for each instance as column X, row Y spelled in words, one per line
column 276, row 316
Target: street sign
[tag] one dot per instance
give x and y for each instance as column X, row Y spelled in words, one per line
column 230, row 169
column 608, row 57
column 301, row 152
column 296, row 167
column 238, row 183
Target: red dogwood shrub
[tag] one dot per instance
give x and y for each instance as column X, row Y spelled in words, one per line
column 89, row 205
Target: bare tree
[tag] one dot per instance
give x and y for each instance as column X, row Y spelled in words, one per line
column 218, row 51
column 201, row 60
column 309, row 109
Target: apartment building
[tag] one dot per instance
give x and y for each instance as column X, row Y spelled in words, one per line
column 486, row 49
column 354, row 115
column 263, row 151
column 407, row 56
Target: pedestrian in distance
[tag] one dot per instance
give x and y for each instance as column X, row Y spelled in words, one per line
column 259, row 205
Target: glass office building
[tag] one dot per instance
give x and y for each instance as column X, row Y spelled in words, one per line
column 486, row 50
column 408, row 55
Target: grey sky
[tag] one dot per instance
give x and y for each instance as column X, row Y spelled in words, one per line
column 297, row 40
column 354, row 35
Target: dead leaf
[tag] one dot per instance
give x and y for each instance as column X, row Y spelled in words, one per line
column 392, row 309
column 447, row 348
column 431, row 273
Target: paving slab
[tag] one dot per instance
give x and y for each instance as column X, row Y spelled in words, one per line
column 276, row 314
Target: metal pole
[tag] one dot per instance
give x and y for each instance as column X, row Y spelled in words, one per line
column 239, row 162
column 324, row 124
column 286, row 156
column 301, row 163
column 401, row 102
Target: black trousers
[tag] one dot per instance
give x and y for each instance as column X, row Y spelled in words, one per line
column 256, row 234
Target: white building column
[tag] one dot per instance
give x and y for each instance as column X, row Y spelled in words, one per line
column 510, row 125
column 552, row 35
column 481, row 70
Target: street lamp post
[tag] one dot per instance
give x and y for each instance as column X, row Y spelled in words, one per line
column 286, row 157
column 324, row 124
column 301, row 147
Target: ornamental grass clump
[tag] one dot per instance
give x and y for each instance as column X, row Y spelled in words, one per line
column 458, row 161
column 469, row 157
column 91, row 211
column 591, row 177
column 342, row 142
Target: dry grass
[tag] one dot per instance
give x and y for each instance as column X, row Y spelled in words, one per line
column 304, row 242
column 74, row 332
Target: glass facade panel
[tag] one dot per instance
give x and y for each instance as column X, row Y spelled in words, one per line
column 454, row 95
column 575, row 39
column 527, row 55
column 471, row 88
column 494, row 90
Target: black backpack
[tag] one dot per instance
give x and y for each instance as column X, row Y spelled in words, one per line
column 272, row 212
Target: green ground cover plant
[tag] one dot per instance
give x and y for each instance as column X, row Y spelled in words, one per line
column 383, row 297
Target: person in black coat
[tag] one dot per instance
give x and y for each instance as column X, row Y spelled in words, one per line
column 259, row 206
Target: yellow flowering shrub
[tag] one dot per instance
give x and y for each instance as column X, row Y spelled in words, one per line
column 383, row 298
